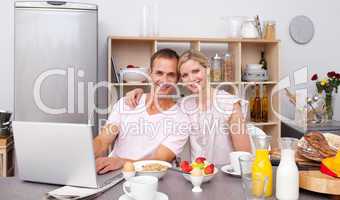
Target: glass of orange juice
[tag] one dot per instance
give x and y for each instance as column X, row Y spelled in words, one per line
column 254, row 186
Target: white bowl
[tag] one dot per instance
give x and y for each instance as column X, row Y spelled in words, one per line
column 158, row 174
column 134, row 75
column 254, row 66
column 206, row 177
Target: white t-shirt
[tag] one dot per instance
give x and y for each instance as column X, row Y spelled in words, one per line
column 140, row 133
column 210, row 133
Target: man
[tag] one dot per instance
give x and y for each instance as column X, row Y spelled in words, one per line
column 157, row 131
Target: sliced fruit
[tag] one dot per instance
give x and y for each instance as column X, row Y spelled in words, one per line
column 184, row 163
column 196, row 172
column 198, row 165
column 209, row 169
column 200, row 160
column 187, row 168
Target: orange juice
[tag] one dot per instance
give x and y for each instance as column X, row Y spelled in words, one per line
column 262, row 168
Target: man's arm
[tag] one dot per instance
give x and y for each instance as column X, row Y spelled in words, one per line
column 105, row 139
column 238, row 131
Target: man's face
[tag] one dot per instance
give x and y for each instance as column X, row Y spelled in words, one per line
column 164, row 75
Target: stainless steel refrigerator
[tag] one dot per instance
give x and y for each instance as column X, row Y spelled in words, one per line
column 55, row 62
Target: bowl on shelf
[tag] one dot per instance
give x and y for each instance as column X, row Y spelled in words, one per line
column 134, row 75
column 254, row 67
column 254, row 72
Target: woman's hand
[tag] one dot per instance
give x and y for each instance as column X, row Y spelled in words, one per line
column 132, row 98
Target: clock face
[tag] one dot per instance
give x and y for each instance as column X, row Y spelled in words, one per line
column 301, row 29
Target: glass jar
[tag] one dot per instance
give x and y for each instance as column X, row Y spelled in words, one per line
column 229, row 74
column 216, row 68
column 270, row 30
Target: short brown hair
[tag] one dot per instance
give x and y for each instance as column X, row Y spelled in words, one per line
column 163, row 53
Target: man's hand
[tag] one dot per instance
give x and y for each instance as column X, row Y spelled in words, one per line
column 107, row 164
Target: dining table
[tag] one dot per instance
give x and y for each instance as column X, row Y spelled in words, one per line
column 221, row 187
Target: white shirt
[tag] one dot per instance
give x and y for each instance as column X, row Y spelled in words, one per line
column 210, row 136
column 140, row 134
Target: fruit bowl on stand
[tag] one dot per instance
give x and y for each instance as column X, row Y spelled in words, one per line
column 208, row 169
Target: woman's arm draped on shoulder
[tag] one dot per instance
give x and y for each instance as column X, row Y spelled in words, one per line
column 238, row 131
column 132, row 97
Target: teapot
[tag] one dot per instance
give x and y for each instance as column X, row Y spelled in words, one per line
column 249, row 29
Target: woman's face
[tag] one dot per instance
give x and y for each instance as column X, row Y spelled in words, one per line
column 193, row 75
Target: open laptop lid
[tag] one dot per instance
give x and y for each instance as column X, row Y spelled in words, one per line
column 58, row 153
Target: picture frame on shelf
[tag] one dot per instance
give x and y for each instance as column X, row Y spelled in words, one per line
column 115, row 71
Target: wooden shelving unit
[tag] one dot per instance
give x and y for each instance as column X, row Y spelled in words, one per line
column 138, row 50
column 6, row 156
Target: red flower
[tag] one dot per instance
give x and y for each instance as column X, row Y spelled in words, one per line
column 337, row 76
column 314, row 77
column 331, row 74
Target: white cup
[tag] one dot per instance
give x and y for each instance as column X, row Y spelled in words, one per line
column 234, row 161
column 141, row 187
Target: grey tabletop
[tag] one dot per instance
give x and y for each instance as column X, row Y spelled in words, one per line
column 222, row 186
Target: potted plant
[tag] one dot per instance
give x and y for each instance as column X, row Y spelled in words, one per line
column 326, row 87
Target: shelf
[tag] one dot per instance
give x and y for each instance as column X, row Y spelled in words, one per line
column 137, row 50
column 192, row 39
column 211, row 83
column 131, row 84
column 264, row 123
column 259, row 83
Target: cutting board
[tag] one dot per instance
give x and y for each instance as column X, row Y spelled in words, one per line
column 318, row 182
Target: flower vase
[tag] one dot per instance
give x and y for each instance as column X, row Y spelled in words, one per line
column 329, row 107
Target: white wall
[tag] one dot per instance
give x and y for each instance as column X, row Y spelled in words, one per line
column 200, row 18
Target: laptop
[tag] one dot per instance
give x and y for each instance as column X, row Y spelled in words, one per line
column 58, row 153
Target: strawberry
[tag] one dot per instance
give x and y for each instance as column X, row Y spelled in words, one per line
column 187, row 168
column 209, row 169
column 200, row 160
column 184, row 163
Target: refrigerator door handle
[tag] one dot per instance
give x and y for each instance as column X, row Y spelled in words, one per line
column 56, row 3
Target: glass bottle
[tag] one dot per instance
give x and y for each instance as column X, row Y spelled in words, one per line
column 263, row 61
column 257, row 105
column 262, row 167
column 287, row 174
column 270, row 30
column 265, row 104
column 251, row 105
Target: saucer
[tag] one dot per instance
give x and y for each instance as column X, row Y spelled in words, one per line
column 228, row 169
column 159, row 196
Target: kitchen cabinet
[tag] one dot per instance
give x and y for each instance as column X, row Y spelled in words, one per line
column 137, row 51
column 6, row 156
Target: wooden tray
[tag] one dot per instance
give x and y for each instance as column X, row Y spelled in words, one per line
column 317, row 182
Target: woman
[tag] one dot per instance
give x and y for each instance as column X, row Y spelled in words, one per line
column 217, row 118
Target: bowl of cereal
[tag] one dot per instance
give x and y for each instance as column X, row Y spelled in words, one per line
column 156, row 168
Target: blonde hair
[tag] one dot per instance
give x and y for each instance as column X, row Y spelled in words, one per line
column 194, row 55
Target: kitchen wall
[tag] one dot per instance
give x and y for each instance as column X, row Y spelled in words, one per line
column 200, row 18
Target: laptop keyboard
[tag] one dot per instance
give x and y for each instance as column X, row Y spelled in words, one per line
column 110, row 178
